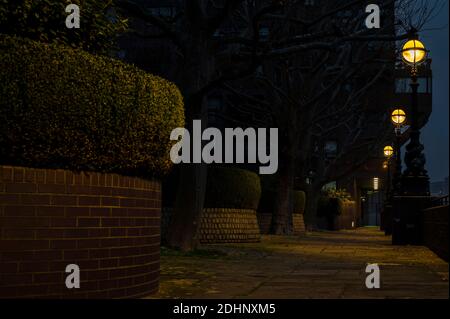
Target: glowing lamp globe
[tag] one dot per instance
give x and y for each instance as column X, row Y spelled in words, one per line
column 398, row 117
column 388, row 151
column 414, row 52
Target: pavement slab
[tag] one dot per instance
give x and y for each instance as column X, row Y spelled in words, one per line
column 318, row 265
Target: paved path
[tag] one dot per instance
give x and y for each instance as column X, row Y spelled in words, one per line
column 320, row 265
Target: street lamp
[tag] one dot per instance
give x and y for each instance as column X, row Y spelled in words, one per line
column 415, row 178
column 388, row 152
column 414, row 52
column 398, row 118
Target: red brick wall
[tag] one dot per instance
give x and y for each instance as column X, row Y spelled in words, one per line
column 109, row 225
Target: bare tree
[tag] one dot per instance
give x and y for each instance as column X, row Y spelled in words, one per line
column 215, row 42
column 312, row 104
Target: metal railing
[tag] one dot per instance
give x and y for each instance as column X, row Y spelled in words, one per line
column 440, row 201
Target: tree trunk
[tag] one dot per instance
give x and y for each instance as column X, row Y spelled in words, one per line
column 182, row 233
column 281, row 218
column 188, row 207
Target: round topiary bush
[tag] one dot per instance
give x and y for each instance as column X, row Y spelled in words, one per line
column 65, row 108
column 269, row 197
column 299, row 198
column 329, row 206
column 232, row 188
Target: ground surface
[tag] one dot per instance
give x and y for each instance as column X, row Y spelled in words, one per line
column 320, row 265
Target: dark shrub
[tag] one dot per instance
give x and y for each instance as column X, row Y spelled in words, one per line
column 299, row 201
column 65, row 108
column 329, row 206
column 232, row 188
column 44, row 21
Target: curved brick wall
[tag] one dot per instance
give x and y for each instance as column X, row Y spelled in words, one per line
column 109, row 225
column 298, row 224
column 223, row 225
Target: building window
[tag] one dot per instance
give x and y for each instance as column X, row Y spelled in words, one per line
column 403, row 85
column 376, row 183
column 215, row 104
column 167, row 12
column 264, row 33
column 331, row 148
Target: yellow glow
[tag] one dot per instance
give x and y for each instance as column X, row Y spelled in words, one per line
column 385, row 165
column 414, row 52
column 388, row 151
column 398, row 117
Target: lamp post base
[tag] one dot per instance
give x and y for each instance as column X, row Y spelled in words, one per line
column 407, row 221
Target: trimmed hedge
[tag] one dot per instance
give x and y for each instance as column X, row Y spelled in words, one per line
column 299, row 201
column 65, row 108
column 330, row 206
column 232, row 188
column 269, row 197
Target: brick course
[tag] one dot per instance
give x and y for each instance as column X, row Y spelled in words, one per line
column 107, row 224
column 222, row 225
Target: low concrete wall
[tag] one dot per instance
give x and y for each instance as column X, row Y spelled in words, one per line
column 222, row 225
column 435, row 230
column 108, row 225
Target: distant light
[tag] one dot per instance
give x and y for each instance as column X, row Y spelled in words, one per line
column 388, row 151
column 376, row 183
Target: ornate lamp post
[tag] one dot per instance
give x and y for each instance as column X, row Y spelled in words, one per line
column 388, row 152
column 398, row 118
column 415, row 178
column 414, row 194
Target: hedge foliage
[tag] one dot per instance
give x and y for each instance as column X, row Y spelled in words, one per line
column 44, row 21
column 269, row 196
column 65, row 108
column 330, row 206
column 232, row 188
column 299, row 201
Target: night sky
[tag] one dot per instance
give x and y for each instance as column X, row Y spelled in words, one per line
column 436, row 133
